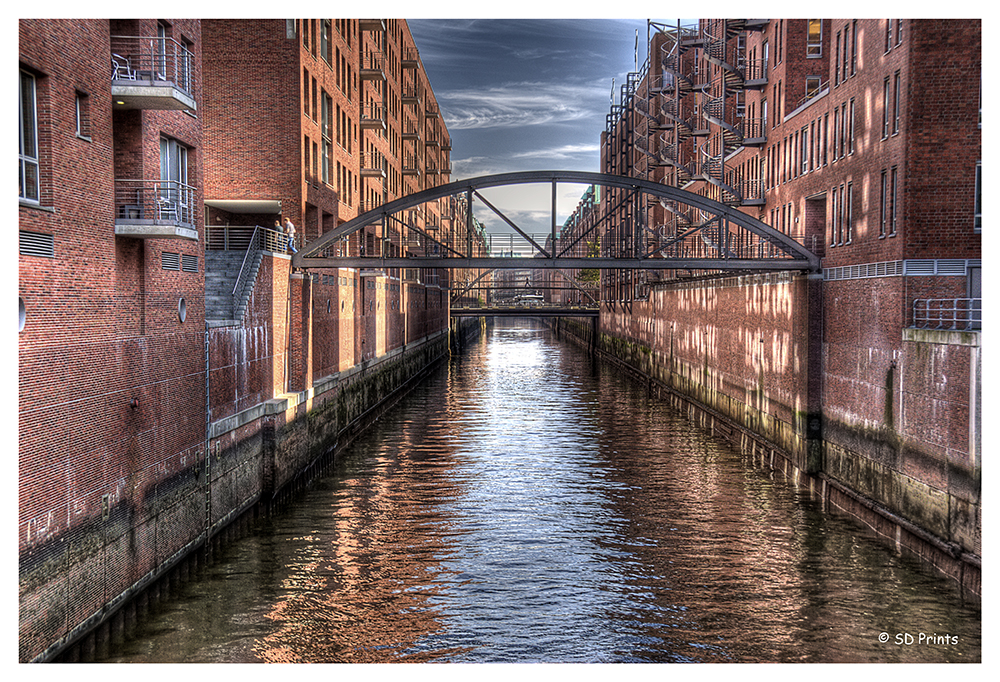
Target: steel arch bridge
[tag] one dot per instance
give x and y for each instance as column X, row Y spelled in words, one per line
column 437, row 228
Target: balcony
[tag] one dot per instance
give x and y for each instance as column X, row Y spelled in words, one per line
column 409, row 59
column 411, row 130
column 154, row 209
column 411, row 94
column 151, row 73
column 372, row 116
column 372, row 165
column 410, row 166
column 372, row 66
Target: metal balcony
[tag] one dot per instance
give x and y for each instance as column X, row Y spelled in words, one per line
column 410, row 58
column 154, row 209
column 372, row 165
column 372, row 66
column 151, row 73
column 372, row 117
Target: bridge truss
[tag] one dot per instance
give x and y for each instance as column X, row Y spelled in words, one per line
column 438, row 235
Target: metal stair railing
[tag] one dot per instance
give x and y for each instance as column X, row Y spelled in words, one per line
column 262, row 239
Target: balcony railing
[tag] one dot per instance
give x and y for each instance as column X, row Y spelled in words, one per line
column 948, row 313
column 143, row 208
column 152, row 61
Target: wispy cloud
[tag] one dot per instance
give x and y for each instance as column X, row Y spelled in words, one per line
column 520, row 104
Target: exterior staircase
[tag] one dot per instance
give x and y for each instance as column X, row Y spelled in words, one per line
column 222, row 268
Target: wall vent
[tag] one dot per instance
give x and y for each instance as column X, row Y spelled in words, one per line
column 189, row 263
column 171, row 261
column 35, row 244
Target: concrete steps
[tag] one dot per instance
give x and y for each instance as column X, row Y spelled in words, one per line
column 221, row 270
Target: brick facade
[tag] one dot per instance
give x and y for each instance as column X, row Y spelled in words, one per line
column 871, row 156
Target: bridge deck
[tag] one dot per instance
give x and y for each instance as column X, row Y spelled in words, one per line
column 525, row 311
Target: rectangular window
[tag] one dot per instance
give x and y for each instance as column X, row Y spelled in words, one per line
column 893, row 211
column 883, row 212
column 833, row 216
column 804, row 154
column 854, row 47
column 173, row 201
column 845, row 56
column 812, row 86
column 850, row 129
column 325, row 40
column 814, row 38
column 836, row 60
column 978, row 218
column 888, row 34
column 83, row 115
column 885, row 108
column 28, row 182
column 849, row 213
column 895, row 103
column 899, row 31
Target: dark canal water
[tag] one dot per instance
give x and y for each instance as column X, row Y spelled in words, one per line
column 527, row 505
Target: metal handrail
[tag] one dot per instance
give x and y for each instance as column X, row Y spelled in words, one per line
column 948, row 313
column 154, row 201
column 152, row 59
column 262, row 239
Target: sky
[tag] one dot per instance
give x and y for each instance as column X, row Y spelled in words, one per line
column 527, row 94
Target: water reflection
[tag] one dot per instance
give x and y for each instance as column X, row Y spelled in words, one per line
column 528, row 505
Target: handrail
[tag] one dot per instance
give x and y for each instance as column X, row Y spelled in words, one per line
column 153, row 59
column 262, row 239
column 948, row 313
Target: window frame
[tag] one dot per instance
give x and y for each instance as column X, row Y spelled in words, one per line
column 814, row 47
column 28, row 136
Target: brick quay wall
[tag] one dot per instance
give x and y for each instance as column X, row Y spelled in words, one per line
column 881, row 423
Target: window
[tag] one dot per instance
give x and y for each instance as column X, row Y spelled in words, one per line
column 885, row 108
column 850, row 133
column 849, row 214
column 899, row 31
column 804, row 155
column 883, row 205
column 327, row 126
column 325, row 40
column 174, row 195
column 978, row 219
column 895, row 103
column 847, row 30
column 28, row 184
column 82, row 115
column 834, row 210
column 892, row 201
column 836, row 60
column 854, row 47
column 814, row 38
column 888, row 34
column 812, row 86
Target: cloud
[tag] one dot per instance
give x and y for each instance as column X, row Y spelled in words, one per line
column 520, row 104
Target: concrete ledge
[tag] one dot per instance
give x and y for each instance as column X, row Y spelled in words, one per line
column 947, row 337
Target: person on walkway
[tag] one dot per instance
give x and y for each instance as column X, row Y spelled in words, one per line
column 290, row 233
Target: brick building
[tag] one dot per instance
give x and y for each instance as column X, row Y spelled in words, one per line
column 834, row 132
column 173, row 370
column 111, row 291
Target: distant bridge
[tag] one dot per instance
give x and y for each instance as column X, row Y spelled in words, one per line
column 522, row 311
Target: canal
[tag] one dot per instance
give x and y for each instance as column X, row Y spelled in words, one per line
column 526, row 504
